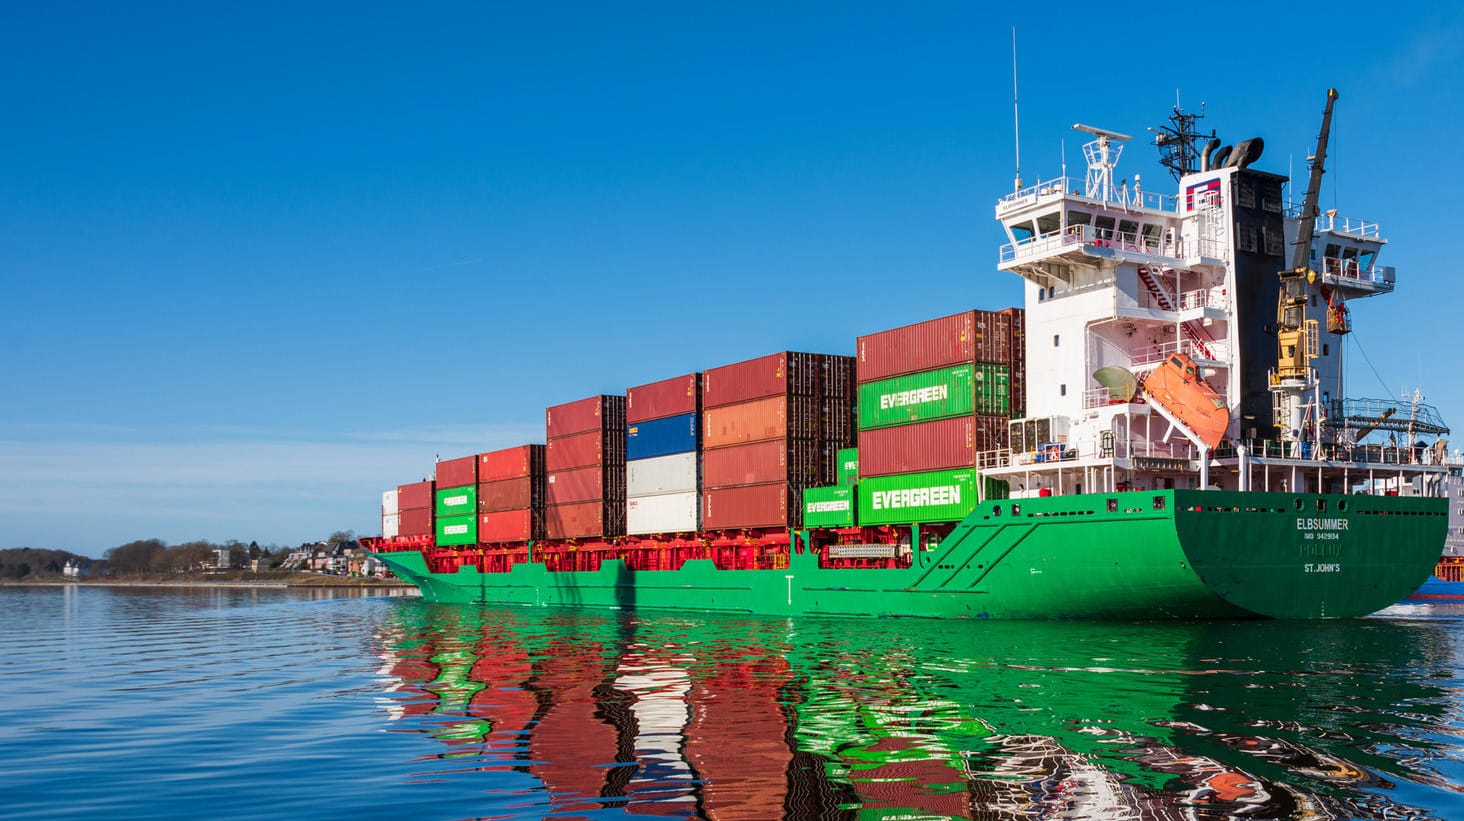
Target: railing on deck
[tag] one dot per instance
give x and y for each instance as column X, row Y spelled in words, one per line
column 1077, row 187
column 1339, row 224
column 1053, row 241
column 1381, row 276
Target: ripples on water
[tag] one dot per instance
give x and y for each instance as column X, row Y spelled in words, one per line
column 268, row 703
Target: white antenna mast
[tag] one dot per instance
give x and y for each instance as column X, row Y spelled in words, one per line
column 1016, row 121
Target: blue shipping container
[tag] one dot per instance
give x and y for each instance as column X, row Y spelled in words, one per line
column 661, row 437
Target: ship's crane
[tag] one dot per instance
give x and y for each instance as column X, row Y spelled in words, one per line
column 1296, row 336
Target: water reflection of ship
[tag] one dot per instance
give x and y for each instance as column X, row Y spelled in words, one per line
column 729, row 719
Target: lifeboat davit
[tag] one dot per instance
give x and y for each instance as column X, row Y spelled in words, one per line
column 1177, row 386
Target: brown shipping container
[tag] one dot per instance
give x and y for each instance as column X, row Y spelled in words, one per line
column 993, row 337
column 780, row 374
column 414, row 496
column 510, row 526
column 924, row 346
column 586, row 519
column 991, row 432
column 800, row 462
column 458, row 472
column 584, row 485
column 575, row 451
column 511, row 494
column 777, row 417
column 510, row 463
column 769, row 505
column 605, row 412
column 416, row 521
column 939, row 445
column 658, row 400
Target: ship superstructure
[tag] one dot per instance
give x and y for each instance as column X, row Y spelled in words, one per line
column 1130, row 291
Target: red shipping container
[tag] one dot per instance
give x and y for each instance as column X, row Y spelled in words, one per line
column 511, row 494
column 924, row 346
column 510, row 463
column 585, row 484
column 604, row 412
column 575, row 451
column 731, row 508
column 414, row 496
column 658, row 400
column 940, row 445
column 458, row 472
column 501, row 526
column 777, row 417
column 780, row 374
column 416, row 521
column 799, row 462
column 585, row 519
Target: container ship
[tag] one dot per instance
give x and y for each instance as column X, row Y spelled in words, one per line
column 1159, row 432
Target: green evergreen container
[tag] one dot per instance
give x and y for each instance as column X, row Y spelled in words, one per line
column 848, row 466
column 829, row 506
column 909, row 498
column 457, row 501
column 457, row 530
column 960, row 390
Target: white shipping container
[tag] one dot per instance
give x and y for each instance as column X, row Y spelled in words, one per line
column 389, row 503
column 676, row 473
column 663, row 513
column 391, row 525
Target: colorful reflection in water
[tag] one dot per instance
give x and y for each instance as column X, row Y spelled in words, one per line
column 725, row 718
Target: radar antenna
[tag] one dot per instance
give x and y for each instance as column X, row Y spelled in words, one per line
column 1178, row 142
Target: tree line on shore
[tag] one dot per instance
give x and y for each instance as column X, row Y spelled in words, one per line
column 151, row 556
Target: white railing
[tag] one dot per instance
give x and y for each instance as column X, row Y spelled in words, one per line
column 1105, row 238
column 1204, row 298
column 1380, row 276
column 1078, row 186
column 1339, row 224
column 1150, row 355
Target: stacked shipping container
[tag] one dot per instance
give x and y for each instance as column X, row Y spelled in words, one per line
column 457, row 502
column 585, row 459
column 414, row 508
column 771, row 427
column 931, row 397
column 662, row 450
column 511, row 490
column 391, row 519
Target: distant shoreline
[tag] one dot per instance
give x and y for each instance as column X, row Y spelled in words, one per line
column 281, row 584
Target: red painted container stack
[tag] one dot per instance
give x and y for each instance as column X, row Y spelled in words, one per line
column 1018, row 363
column 511, row 490
column 414, row 505
column 585, row 459
column 976, row 337
column 770, row 428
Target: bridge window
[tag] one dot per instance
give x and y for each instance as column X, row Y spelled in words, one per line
column 1128, row 229
column 1020, row 231
column 1151, row 235
column 1104, row 225
column 1333, row 251
column 1049, row 223
column 1365, row 259
column 1079, row 218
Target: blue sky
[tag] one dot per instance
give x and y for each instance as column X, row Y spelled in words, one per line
column 259, row 265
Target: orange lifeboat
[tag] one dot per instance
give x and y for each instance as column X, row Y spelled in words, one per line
column 1176, row 385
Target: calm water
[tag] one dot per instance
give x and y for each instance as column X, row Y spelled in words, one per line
column 269, row 703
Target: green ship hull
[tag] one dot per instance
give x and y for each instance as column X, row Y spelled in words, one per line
column 1138, row 555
